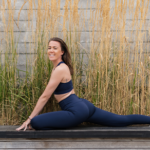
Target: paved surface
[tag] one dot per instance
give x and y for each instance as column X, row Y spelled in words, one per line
column 75, row 144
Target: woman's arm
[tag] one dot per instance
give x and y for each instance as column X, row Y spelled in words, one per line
column 54, row 81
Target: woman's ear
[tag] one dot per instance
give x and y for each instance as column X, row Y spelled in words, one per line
column 62, row 52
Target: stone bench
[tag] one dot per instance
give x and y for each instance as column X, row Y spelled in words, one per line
column 78, row 132
column 81, row 137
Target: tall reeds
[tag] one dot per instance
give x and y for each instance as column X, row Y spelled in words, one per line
column 109, row 54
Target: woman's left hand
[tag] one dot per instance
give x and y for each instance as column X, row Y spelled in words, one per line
column 24, row 125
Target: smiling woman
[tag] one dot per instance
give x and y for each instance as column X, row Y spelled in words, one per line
column 58, row 51
column 54, row 51
column 75, row 110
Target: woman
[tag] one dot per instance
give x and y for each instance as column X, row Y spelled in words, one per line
column 75, row 110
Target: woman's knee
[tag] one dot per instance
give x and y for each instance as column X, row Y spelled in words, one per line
column 35, row 123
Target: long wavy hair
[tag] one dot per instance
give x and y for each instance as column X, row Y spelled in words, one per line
column 66, row 57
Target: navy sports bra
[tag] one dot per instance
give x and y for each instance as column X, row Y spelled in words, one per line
column 63, row 87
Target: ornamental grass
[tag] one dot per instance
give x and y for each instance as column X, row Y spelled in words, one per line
column 110, row 54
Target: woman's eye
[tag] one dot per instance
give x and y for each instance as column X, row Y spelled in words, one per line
column 51, row 48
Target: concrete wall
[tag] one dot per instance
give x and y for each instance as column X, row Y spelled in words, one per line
column 23, row 33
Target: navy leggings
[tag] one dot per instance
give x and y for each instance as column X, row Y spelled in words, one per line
column 76, row 110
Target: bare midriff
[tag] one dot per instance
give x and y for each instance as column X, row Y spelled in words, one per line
column 60, row 97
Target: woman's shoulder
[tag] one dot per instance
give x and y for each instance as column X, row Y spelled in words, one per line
column 62, row 72
column 62, row 68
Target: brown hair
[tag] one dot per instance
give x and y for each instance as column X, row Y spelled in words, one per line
column 66, row 57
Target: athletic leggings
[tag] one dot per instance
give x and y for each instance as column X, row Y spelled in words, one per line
column 76, row 110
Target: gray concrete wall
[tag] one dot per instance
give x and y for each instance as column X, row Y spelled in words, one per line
column 22, row 32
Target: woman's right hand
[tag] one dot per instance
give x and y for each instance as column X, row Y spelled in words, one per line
column 24, row 125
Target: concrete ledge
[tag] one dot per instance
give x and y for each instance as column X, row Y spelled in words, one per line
column 78, row 132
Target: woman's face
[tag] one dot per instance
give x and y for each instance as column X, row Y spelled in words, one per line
column 54, row 51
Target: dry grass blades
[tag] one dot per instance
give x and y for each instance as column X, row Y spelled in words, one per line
column 108, row 45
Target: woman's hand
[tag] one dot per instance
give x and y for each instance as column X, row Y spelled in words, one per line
column 24, row 125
